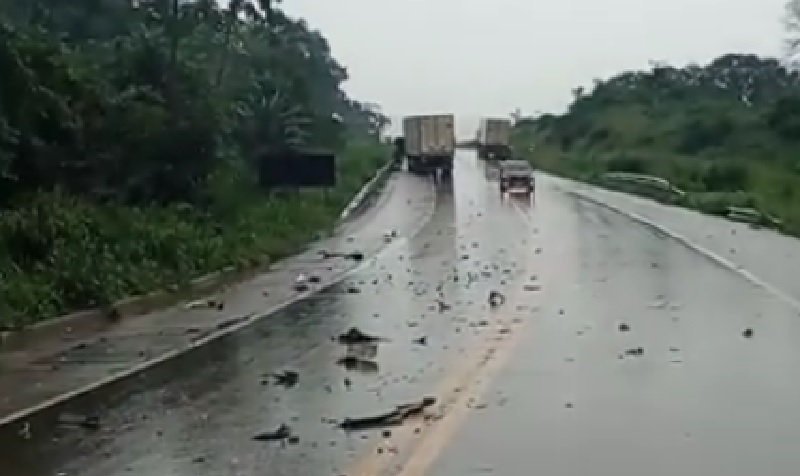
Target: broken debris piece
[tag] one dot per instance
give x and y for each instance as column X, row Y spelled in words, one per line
column 87, row 422
column 392, row 418
column 624, row 327
column 355, row 336
column 283, row 432
column 288, row 378
column 356, row 364
column 747, row 333
column 205, row 303
column 496, row 299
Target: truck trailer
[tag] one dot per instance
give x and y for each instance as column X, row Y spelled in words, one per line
column 430, row 144
column 494, row 139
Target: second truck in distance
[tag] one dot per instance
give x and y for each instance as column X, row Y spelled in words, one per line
column 494, row 139
column 430, row 144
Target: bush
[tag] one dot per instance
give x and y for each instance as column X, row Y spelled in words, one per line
column 62, row 253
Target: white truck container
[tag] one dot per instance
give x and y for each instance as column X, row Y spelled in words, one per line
column 430, row 142
column 494, row 139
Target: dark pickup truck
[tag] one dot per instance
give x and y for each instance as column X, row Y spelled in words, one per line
column 516, row 175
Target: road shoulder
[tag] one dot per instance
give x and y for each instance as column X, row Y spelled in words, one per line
column 47, row 371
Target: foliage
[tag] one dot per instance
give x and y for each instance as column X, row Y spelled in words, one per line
column 726, row 132
column 129, row 134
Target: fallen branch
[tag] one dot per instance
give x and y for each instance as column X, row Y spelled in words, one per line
column 392, row 418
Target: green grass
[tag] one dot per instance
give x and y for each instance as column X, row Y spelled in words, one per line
column 60, row 253
column 748, row 168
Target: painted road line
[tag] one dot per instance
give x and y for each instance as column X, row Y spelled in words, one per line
column 467, row 380
column 494, row 360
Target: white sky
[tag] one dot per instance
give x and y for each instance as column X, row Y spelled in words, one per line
column 483, row 58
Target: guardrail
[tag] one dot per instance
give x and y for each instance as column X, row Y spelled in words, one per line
column 752, row 216
column 366, row 190
column 662, row 190
column 650, row 181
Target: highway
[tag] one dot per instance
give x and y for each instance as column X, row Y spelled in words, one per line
column 615, row 350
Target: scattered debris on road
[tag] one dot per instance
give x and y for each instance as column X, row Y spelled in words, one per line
column 356, row 364
column 87, row 422
column 496, row 299
column 283, row 432
column 392, row 418
column 288, row 378
column 205, row 303
column 355, row 256
column 301, row 287
column 389, row 236
column 355, row 336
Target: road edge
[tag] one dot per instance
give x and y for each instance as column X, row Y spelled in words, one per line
column 130, row 307
column 98, row 385
column 714, row 257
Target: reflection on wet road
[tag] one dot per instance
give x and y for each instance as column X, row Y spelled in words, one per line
column 616, row 351
column 199, row 415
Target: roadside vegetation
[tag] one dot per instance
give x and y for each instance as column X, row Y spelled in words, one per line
column 726, row 134
column 129, row 133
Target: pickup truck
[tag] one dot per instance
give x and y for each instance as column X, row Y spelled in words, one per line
column 516, row 175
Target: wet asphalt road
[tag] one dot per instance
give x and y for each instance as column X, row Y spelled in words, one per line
column 558, row 395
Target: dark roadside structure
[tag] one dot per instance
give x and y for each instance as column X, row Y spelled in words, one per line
column 297, row 168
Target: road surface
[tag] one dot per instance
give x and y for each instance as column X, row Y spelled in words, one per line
column 616, row 351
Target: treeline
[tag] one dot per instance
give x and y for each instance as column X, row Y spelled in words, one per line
column 728, row 130
column 129, row 132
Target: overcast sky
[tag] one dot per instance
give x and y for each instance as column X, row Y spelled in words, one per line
column 478, row 58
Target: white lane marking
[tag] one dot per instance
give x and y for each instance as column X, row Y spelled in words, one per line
column 719, row 259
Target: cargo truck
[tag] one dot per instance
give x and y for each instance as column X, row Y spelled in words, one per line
column 430, row 144
column 494, row 139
